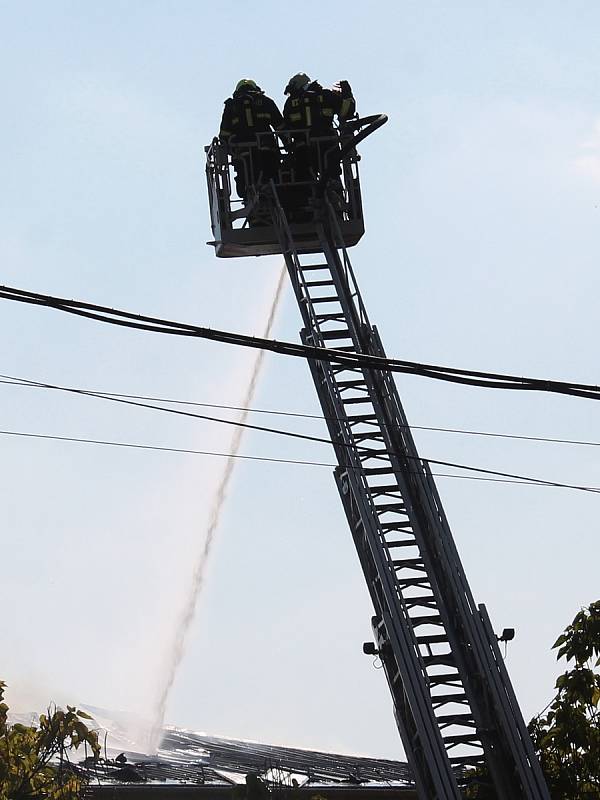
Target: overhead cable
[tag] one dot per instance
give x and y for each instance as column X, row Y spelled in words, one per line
column 364, row 451
column 341, row 357
column 518, row 480
column 10, row 381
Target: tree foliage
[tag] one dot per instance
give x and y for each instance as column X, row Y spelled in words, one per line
column 34, row 760
column 567, row 737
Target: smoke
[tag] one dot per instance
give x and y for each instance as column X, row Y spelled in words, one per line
column 188, row 610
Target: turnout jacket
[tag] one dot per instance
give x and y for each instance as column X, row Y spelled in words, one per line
column 315, row 107
column 247, row 113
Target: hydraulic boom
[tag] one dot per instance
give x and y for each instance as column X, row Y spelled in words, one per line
column 453, row 701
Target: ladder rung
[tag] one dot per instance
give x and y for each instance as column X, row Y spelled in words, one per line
column 371, row 436
column 442, row 699
column 330, row 317
column 348, row 401
column 396, row 526
column 439, row 660
column 337, row 368
column 387, row 488
column 343, row 333
column 406, row 563
column 462, row 738
column 467, row 761
column 378, row 471
column 421, row 600
column 456, row 719
column 397, row 508
column 444, row 678
column 318, row 283
column 435, row 638
column 333, row 299
column 309, row 267
column 434, row 619
column 358, row 418
column 404, row 582
column 404, row 543
column 351, row 384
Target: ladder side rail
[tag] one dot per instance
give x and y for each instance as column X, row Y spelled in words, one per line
column 339, row 412
column 358, row 313
column 359, row 336
column 399, row 651
column 338, row 424
column 423, row 480
column 507, row 717
column 427, row 755
column 294, row 268
column 405, row 461
column 347, row 287
column 459, row 594
column 515, row 722
column 337, row 240
column 359, row 331
column 490, row 650
column 488, row 698
column 501, row 699
column 457, row 605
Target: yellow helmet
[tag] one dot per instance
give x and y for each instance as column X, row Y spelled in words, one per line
column 246, row 83
column 297, row 82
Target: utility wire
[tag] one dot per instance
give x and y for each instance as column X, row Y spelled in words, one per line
column 521, row 481
column 10, row 381
column 365, row 451
column 136, row 446
column 341, row 357
column 180, row 413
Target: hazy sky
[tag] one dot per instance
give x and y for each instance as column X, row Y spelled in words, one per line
column 482, row 204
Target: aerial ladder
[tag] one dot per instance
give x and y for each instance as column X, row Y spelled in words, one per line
column 454, row 704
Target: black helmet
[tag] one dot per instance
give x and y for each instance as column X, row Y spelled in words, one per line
column 297, row 82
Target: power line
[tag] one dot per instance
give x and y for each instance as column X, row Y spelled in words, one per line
column 520, row 481
column 193, row 415
column 10, row 381
column 341, row 357
column 159, row 448
column 307, row 437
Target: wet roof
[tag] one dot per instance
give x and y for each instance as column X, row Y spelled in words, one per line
column 194, row 758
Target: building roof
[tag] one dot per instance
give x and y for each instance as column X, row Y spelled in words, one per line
column 199, row 761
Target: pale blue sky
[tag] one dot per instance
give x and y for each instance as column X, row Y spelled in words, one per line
column 482, row 203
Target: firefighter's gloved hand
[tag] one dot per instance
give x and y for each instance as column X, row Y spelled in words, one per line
column 345, row 89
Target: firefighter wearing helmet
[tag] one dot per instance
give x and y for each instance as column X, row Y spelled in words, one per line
column 311, row 108
column 247, row 126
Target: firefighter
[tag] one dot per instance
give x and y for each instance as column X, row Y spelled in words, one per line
column 247, row 126
column 312, row 108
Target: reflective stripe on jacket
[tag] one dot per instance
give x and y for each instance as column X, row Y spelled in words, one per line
column 248, row 114
column 315, row 109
